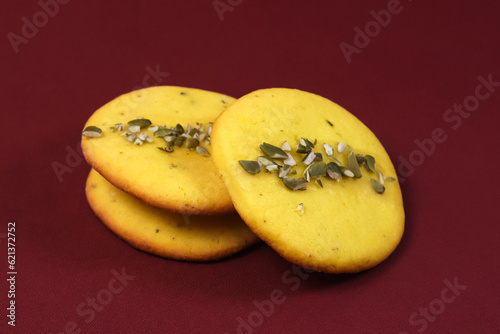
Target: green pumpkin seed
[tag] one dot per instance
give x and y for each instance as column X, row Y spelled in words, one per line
column 284, row 170
column 252, row 167
column 140, row 122
column 316, row 169
column 192, row 143
column 360, row 158
column 179, row 141
column 303, row 149
column 202, row 151
column 390, row 179
column 295, row 184
column 162, row 133
column 334, row 171
column 377, row 186
column 352, row 165
column 179, row 128
column 370, row 163
column 319, row 157
column 92, row 132
column 266, row 161
column 273, row 151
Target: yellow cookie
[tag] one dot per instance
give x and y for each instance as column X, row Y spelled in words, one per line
column 341, row 222
column 127, row 155
column 166, row 234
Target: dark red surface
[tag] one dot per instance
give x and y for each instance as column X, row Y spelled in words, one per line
column 427, row 58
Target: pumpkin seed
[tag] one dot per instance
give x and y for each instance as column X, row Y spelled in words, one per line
column 202, row 151
column 340, row 147
column 273, row 151
column 377, row 186
column 141, row 122
column 286, row 147
column 252, row 167
column 92, row 132
column 162, row 133
column 179, row 141
column 134, row 128
column 316, row 169
column 300, row 208
column 309, row 158
column 318, row 181
column 334, row 171
column 328, row 149
column 390, row 179
column 370, row 163
column 166, row 149
column 179, row 128
column 352, row 165
column 284, row 170
column 360, row 158
column 295, row 184
column 266, row 161
column 290, row 160
column 192, row 143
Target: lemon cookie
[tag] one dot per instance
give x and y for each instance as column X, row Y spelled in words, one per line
column 309, row 179
column 154, row 143
column 163, row 233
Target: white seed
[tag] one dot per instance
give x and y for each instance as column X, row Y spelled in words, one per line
column 308, row 177
column 272, row 168
column 328, row 149
column 286, row 147
column 142, row 136
column 310, row 158
column 169, row 139
column 119, row 126
column 209, row 131
column 202, row 136
column 134, row 128
column 290, row 160
column 131, row 138
column 138, row 142
column 347, row 172
column 302, row 142
column 153, row 128
column 124, row 133
column 300, row 208
column 340, row 147
column 284, row 172
column 149, row 139
column 381, row 178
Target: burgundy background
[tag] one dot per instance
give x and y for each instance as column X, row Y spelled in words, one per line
column 427, row 59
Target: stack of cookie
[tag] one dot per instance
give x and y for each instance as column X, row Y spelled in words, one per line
column 162, row 198
column 175, row 168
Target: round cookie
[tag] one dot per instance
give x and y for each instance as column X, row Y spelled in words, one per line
column 182, row 181
column 163, row 233
column 334, row 226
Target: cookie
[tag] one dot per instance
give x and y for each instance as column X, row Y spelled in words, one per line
column 163, row 233
column 342, row 220
column 136, row 157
